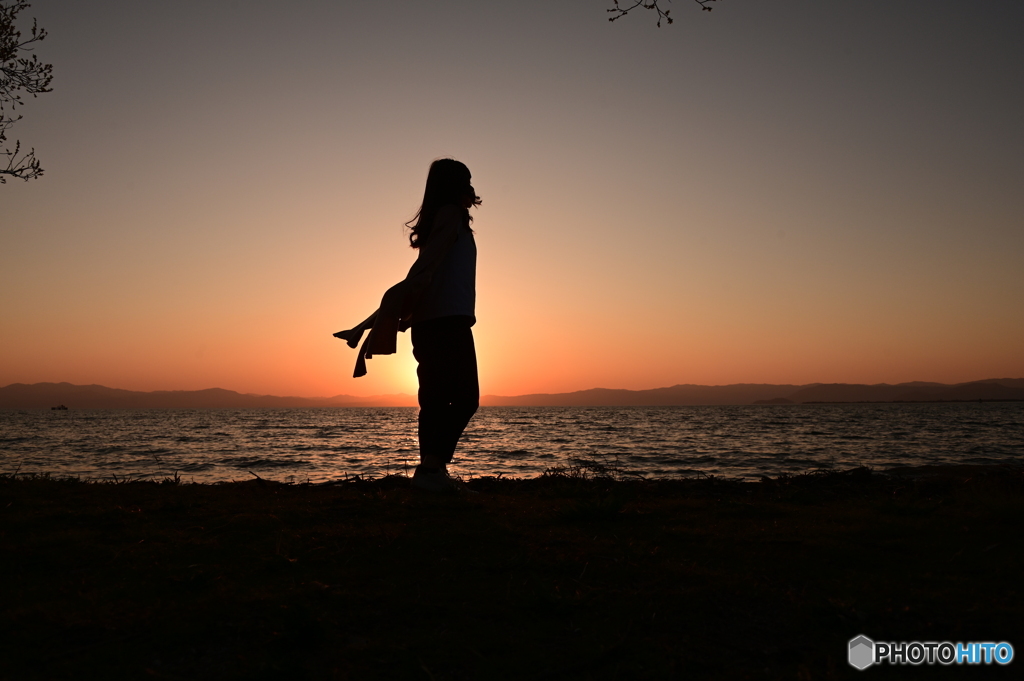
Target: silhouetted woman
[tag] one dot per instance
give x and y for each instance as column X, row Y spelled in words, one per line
column 437, row 299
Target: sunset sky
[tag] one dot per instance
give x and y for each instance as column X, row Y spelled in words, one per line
column 772, row 192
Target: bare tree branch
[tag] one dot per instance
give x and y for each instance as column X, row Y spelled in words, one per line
column 621, row 11
column 19, row 74
column 26, row 167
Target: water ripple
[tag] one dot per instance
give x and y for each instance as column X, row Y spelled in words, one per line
column 327, row 444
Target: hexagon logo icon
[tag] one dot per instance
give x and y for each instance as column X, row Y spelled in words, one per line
column 862, row 652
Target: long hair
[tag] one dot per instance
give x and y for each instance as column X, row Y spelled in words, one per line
column 448, row 182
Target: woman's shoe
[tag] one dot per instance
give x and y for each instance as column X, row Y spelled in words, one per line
column 437, row 480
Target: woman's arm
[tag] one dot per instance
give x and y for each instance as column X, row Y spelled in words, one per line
column 401, row 299
column 443, row 234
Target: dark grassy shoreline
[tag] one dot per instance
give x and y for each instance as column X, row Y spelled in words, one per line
column 574, row 575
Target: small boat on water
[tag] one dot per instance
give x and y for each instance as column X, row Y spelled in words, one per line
column 59, row 407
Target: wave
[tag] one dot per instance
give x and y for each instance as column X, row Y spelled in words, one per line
column 659, row 442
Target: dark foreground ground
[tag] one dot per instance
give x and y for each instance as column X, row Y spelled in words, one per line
column 574, row 575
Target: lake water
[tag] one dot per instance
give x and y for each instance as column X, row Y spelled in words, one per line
column 327, row 444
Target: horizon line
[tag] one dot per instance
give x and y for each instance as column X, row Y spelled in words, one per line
column 533, row 394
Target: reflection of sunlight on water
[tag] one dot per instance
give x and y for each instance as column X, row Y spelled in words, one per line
column 327, row 444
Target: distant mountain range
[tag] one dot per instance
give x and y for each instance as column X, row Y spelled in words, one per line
column 47, row 395
column 762, row 393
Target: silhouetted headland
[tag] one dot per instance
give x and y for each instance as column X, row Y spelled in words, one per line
column 43, row 395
